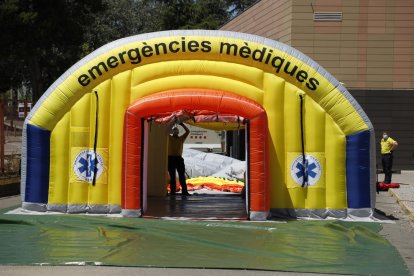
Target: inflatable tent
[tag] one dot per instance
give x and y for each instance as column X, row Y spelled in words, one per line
column 91, row 145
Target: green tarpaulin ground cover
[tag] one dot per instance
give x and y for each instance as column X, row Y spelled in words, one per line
column 299, row 246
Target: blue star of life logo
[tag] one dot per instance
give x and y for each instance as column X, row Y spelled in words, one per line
column 306, row 173
column 86, row 164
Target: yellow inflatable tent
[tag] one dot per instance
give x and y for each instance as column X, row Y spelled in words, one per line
column 89, row 141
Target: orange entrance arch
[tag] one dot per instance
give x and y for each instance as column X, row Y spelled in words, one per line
column 192, row 100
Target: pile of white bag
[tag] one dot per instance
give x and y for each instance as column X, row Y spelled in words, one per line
column 199, row 163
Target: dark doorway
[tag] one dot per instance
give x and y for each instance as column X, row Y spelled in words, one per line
column 235, row 144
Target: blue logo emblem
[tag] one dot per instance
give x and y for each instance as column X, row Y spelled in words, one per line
column 308, row 173
column 86, row 164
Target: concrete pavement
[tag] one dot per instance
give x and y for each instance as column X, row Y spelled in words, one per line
column 405, row 194
column 396, row 205
column 13, row 144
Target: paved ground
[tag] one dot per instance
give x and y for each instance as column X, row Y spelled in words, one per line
column 398, row 205
column 13, row 143
column 103, row 271
column 395, row 205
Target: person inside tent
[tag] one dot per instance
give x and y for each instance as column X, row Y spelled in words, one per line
column 175, row 159
column 388, row 145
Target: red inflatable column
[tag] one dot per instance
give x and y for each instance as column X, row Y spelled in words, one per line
column 131, row 172
column 259, row 162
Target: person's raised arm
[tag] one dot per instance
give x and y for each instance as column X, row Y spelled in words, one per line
column 187, row 131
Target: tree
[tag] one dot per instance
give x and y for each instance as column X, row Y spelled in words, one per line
column 41, row 39
column 10, row 28
column 200, row 14
column 238, row 6
column 120, row 19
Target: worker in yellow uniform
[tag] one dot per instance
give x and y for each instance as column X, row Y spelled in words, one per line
column 388, row 145
column 175, row 159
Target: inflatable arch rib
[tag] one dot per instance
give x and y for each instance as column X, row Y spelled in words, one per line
column 216, row 101
column 312, row 150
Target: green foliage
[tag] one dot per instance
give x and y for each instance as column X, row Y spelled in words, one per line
column 120, row 19
column 200, row 14
column 238, row 6
column 40, row 39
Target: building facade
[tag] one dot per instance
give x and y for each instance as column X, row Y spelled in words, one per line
column 365, row 44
